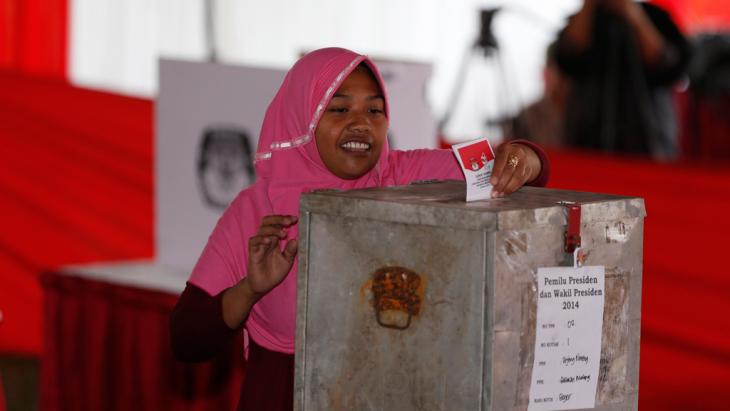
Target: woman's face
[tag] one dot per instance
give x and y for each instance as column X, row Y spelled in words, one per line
column 353, row 128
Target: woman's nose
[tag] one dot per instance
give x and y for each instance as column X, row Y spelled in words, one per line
column 359, row 123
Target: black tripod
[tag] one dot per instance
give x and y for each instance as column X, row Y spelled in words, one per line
column 485, row 46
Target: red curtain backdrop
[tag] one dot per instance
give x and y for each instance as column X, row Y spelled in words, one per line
column 108, row 348
column 685, row 340
column 75, row 186
column 34, row 36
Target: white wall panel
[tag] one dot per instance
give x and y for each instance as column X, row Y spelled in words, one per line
column 115, row 44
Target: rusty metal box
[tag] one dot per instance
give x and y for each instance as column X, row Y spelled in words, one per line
column 461, row 335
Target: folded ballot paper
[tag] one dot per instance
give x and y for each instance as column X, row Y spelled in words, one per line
column 476, row 158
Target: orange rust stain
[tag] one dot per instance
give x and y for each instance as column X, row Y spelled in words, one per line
column 396, row 288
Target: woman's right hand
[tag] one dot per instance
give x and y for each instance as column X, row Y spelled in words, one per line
column 268, row 264
column 267, row 267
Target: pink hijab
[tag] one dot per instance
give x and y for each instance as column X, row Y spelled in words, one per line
column 288, row 164
column 287, row 155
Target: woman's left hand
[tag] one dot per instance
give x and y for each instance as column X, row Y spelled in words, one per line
column 514, row 165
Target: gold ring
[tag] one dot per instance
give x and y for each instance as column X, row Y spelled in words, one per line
column 513, row 161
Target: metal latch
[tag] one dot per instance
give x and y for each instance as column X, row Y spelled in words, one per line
column 572, row 233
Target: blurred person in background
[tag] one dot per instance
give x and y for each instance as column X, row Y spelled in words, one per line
column 543, row 121
column 707, row 126
column 622, row 58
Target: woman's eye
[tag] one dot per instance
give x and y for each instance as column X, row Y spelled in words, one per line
column 338, row 110
column 376, row 111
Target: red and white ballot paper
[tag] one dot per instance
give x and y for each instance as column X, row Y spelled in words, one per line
column 476, row 158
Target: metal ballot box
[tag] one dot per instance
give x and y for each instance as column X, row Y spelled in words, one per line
column 410, row 298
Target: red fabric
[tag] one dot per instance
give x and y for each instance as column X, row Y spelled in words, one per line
column 685, row 344
column 107, row 347
column 75, row 186
column 707, row 129
column 34, row 36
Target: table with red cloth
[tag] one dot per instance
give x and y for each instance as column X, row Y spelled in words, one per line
column 107, row 345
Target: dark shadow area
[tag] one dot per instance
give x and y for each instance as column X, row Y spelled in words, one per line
column 20, row 382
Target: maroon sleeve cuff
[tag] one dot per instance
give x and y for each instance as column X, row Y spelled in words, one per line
column 542, row 179
column 197, row 329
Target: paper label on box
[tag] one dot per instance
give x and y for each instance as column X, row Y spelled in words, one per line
column 476, row 158
column 568, row 337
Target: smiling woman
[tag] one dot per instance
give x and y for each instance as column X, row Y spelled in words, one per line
column 245, row 277
column 353, row 129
